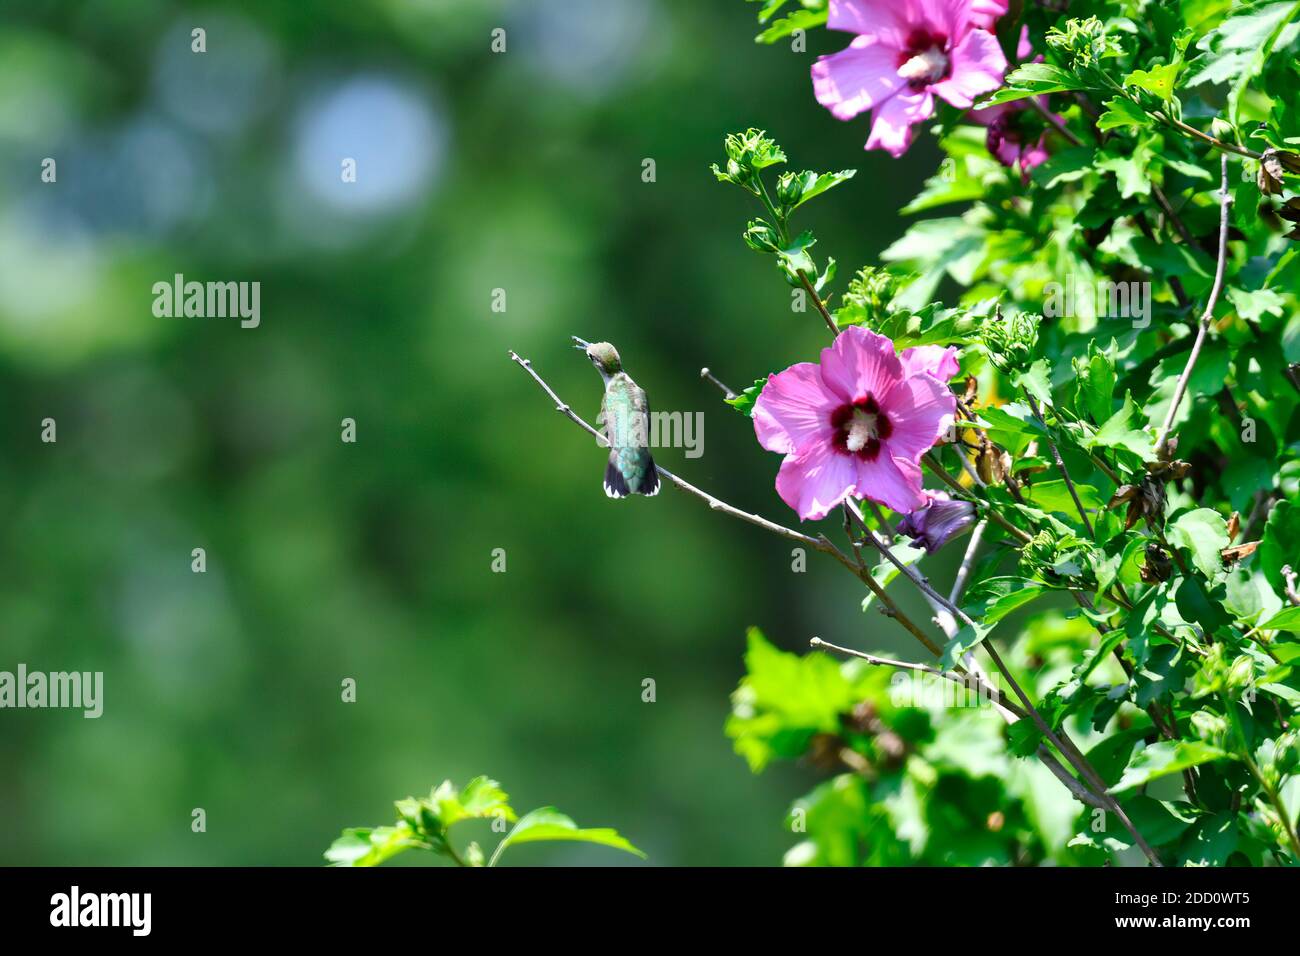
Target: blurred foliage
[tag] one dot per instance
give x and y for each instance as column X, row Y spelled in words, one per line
column 476, row 171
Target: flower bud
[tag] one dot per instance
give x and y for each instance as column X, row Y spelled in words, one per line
column 761, row 237
column 789, row 189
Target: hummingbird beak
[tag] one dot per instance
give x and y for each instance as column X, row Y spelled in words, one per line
column 580, row 343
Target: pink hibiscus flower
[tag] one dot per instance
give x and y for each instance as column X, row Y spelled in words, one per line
column 906, row 53
column 857, row 423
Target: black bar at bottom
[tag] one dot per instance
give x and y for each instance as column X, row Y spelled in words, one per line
column 334, row 906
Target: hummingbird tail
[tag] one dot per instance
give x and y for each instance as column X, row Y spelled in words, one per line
column 650, row 484
column 645, row 477
column 615, row 483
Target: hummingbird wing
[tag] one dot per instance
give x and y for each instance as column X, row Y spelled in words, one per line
column 626, row 414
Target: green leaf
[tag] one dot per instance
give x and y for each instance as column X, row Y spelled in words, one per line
column 885, row 571
column 1130, row 170
column 1123, row 430
column 1159, row 821
column 1037, row 381
column 1166, row 757
column 547, row 823
column 783, row 700
column 965, row 639
column 1032, row 79
column 994, row 598
column 1211, row 841
column 1284, row 620
column 1160, row 80
column 370, row 846
column 1123, row 112
column 799, row 20
column 1054, row 495
column 480, row 799
column 1094, row 384
column 1277, row 549
column 1066, row 166
column 1237, row 50
column 814, row 184
column 744, row 402
column 1204, row 533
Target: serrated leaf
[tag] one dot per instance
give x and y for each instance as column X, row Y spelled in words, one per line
column 1160, row 80
column 370, row 846
column 1123, row 430
column 744, row 402
column 1123, row 112
column 814, row 184
column 1036, row 380
column 1166, row 757
column 1032, row 79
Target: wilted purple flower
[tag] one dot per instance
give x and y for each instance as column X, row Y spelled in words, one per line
column 1005, row 139
column 938, row 522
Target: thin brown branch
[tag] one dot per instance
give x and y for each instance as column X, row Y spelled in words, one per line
column 726, row 391
column 967, row 562
column 820, row 305
column 1062, row 742
column 1060, row 464
column 1206, row 137
column 717, row 504
column 1055, row 121
column 969, row 681
column 1203, row 327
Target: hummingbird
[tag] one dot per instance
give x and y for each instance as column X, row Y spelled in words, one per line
column 625, row 414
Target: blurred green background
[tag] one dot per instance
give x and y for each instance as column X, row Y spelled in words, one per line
column 477, row 171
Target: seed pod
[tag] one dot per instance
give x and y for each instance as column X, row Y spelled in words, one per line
column 1158, row 566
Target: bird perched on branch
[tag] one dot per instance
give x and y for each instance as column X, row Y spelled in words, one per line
column 625, row 414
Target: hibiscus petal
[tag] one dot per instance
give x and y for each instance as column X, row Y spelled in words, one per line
column 892, row 128
column 894, row 482
column 859, row 77
column 931, row 360
column 985, row 13
column 817, row 481
column 883, row 18
column 978, row 66
column 1023, row 48
column 794, row 409
column 950, row 18
column 860, row 362
column 1031, row 156
column 919, row 409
